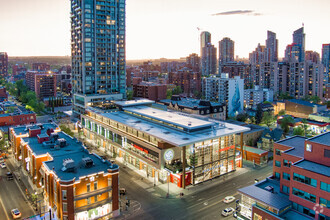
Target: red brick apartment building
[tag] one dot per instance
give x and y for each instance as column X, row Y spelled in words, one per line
column 42, row 83
column 149, row 90
column 40, row 67
column 300, row 185
column 75, row 184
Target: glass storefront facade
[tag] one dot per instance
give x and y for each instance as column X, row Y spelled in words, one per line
column 94, row 213
column 205, row 160
column 211, row 158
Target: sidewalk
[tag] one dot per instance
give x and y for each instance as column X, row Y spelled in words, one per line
column 160, row 189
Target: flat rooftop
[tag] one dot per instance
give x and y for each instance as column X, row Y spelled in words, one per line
column 40, row 149
column 171, row 135
column 294, row 215
column 297, row 143
column 314, row 167
column 258, row 192
column 321, row 139
column 134, row 102
column 23, row 129
column 100, row 165
column 169, row 117
column 302, row 102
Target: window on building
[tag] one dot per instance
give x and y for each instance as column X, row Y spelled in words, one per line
column 95, row 199
column 278, row 152
column 325, row 186
column 257, row 217
column 304, row 179
column 277, row 163
column 324, row 202
column 64, row 194
column 65, row 207
column 88, row 200
column 286, row 176
column 286, row 163
column 327, row 153
column 277, row 175
column 95, row 185
column 304, row 195
column 286, row 189
column 88, row 187
column 309, row 147
column 109, row 181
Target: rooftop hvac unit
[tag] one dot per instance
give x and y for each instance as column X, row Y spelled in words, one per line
column 61, row 142
column 68, row 165
column 88, row 162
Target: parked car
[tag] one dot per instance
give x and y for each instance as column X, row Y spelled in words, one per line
column 3, row 165
column 229, row 199
column 16, row 213
column 9, row 176
column 227, row 211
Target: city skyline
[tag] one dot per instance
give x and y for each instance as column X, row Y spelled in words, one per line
column 170, row 28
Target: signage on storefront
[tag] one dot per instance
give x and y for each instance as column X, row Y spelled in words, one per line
column 205, row 145
column 169, row 155
column 227, row 148
column 212, row 168
column 141, row 149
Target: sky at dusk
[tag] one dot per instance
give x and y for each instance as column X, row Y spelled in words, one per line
column 167, row 28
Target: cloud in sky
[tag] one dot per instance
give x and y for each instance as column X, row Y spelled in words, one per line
column 238, row 12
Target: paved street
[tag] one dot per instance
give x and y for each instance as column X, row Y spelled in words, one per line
column 205, row 203
column 11, row 196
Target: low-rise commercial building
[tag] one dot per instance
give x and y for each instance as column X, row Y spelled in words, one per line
column 74, row 183
column 302, row 109
column 162, row 144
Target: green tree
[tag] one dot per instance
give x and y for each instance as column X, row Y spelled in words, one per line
column 259, row 114
column 66, row 130
column 268, row 119
column 177, row 90
column 169, row 94
column 304, row 126
column 286, row 122
column 298, row 131
column 282, row 112
column 242, row 117
column 129, row 94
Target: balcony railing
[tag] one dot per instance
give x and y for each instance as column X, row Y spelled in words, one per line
column 92, row 193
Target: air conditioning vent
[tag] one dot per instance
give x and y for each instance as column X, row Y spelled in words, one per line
column 88, row 162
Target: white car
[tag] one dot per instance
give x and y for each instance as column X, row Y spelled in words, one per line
column 229, row 199
column 16, row 213
column 227, row 211
column 3, row 165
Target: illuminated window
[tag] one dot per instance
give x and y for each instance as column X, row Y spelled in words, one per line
column 309, row 147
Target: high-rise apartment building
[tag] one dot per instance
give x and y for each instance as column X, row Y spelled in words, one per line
column 226, row 50
column 312, row 56
column 3, row 63
column 98, row 51
column 296, row 51
column 209, row 60
column 193, row 62
column 229, row 91
column 271, row 47
column 258, row 55
column 326, row 62
column 40, row 67
column 205, row 39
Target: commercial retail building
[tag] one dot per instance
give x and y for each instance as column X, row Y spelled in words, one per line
column 165, row 145
column 74, row 184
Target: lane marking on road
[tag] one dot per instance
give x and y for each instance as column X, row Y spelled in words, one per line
column 3, row 207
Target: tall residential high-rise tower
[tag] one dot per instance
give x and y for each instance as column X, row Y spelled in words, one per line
column 326, row 62
column 205, row 39
column 296, row 51
column 271, row 47
column 226, row 50
column 209, row 60
column 98, row 52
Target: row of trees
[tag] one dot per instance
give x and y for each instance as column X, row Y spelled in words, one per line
column 26, row 96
